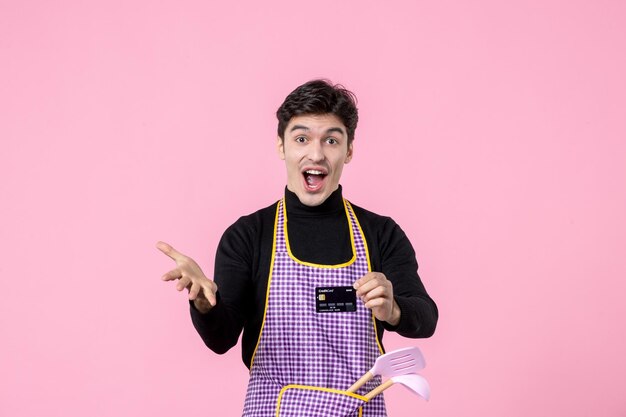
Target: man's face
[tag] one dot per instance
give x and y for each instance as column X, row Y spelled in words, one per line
column 315, row 149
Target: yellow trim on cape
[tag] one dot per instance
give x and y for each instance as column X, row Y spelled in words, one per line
column 369, row 269
column 267, row 292
column 292, row 256
column 314, row 388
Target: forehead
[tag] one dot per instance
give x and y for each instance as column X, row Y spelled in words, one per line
column 315, row 123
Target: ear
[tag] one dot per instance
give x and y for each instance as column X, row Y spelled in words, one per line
column 350, row 153
column 280, row 147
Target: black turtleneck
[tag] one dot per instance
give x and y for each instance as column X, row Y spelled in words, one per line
column 325, row 226
column 317, row 234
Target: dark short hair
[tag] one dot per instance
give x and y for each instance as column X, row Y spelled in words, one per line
column 319, row 97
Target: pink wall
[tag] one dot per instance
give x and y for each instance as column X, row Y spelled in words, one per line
column 493, row 133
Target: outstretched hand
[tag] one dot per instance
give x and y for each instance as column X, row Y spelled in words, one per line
column 189, row 275
column 376, row 292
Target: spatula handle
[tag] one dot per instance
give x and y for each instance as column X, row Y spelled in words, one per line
column 358, row 384
column 378, row 389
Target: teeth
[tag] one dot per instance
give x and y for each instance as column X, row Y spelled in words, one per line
column 314, row 172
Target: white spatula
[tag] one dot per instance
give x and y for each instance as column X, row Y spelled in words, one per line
column 399, row 362
column 414, row 382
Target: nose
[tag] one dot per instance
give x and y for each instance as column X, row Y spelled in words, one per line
column 316, row 151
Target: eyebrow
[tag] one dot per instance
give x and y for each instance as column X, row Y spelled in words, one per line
column 329, row 130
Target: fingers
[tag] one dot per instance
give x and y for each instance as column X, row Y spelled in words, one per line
column 198, row 287
column 190, row 276
column 172, row 275
column 376, row 293
column 375, row 303
column 204, row 291
column 371, row 278
column 373, row 281
column 183, row 282
column 194, row 290
column 169, row 251
column 209, row 294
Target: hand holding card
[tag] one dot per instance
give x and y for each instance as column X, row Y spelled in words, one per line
column 376, row 291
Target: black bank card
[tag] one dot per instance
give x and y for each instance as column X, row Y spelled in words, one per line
column 335, row 299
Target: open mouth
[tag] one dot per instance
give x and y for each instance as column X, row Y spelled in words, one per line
column 314, row 179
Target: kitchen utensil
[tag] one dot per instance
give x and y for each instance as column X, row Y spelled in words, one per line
column 414, row 382
column 399, row 362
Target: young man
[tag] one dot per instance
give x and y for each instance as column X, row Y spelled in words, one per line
column 312, row 280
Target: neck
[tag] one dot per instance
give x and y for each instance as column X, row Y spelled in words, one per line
column 332, row 204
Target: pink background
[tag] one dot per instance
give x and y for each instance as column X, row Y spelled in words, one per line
column 493, row 133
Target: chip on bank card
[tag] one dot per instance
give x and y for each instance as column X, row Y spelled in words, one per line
column 335, row 299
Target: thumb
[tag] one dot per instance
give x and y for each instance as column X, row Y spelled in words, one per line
column 210, row 296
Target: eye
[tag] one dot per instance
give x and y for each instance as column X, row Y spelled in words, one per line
column 300, row 139
column 332, row 141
